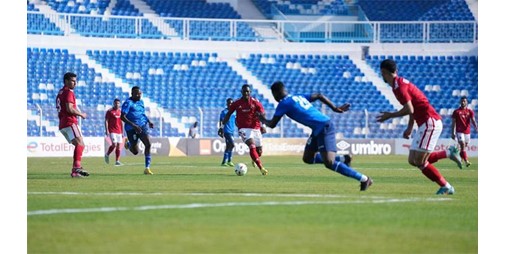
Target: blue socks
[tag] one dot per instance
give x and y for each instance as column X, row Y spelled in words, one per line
column 147, row 160
column 227, row 157
column 340, row 167
column 344, row 170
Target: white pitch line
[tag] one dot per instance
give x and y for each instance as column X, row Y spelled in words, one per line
column 96, row 193
column 287, row 195
column 189, row 194
column 246, row 194
column 227, row 204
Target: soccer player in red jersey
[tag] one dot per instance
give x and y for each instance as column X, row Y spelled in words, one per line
column 68, row 113
column 250, row 128
column 462, row 118
column 417, row 106
column 114, row 130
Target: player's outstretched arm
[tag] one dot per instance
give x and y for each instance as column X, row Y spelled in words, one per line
column 269, row 123
column 407, row 109
column 325, row 100
column 343, row 108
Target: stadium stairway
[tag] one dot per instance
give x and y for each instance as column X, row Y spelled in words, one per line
column 60, row 23
column 248, row 10
column 376, row 80
column 262, row 88
column 118, row 82
column 149, row 13
column 473, row 7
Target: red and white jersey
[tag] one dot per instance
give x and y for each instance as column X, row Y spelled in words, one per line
column 114, row 124
column 65, row 95
column 406, row 91
column 463, row 118
column 246, row 112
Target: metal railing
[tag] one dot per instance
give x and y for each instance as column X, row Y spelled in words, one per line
column 251, row 30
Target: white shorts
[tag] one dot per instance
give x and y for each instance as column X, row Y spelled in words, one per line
column 426, row 137
column 248, row 133
column 71, row 132
column 461, row 137
column 116, row 137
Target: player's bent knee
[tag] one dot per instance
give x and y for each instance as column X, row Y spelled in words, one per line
column 308, row 160
column 418, row 164
column 328, row 164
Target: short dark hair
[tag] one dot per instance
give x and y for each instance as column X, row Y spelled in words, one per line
column 389, row 65
column 277, row 86
column 246, row 85
column 464, row 97
column 229, row 99
column 115, row 100
column 68, row 75
column 135, row 88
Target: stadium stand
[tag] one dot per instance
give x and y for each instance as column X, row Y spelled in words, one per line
column 375, row 10
column 181, row 86
column 117, row 19
column 420, row 10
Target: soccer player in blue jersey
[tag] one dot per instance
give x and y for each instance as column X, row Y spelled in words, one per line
column 136, row 126
column 227, row 131
column 322, row 139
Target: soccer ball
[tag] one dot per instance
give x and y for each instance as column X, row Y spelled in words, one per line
column 241, row 169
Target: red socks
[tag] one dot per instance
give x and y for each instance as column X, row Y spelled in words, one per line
column 463, row 155
column 110, row 149
column 435, row 156
column 78, row 154
column 433, row 174
column 118, row 153
column 254, row 155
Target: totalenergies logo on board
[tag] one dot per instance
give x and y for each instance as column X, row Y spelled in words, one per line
column 32, row 146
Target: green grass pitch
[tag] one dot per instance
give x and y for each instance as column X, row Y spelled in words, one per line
column 193, row 205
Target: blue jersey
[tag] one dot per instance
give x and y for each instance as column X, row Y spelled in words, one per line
column 302, row 111
column 134, row 111
column 230, row 126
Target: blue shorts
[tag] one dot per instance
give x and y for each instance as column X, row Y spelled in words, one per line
column 134, row 137
column 229, row 139
column 325, row 141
